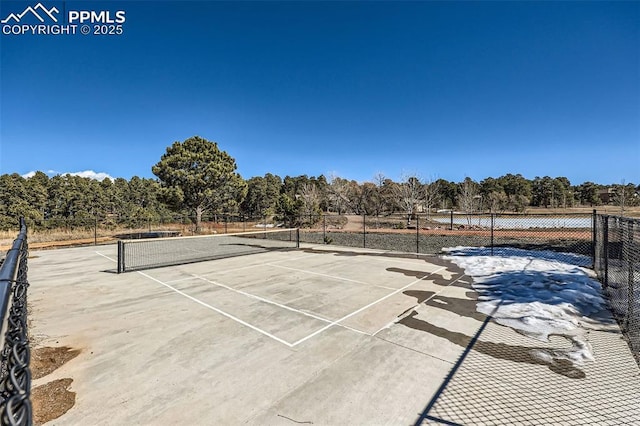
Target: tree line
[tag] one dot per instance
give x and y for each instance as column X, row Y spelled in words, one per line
column 196, row 178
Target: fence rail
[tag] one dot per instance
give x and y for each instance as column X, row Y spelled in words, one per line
column 617, row 263
column 15, row 375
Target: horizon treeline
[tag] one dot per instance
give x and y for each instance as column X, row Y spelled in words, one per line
column 41, row 198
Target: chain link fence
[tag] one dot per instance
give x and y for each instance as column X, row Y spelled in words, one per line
column 15, row 375
column 617, row 263
column 102, row 230
column 429, row 233
column 415, row 233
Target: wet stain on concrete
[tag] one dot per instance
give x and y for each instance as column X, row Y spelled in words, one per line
column 520, row 354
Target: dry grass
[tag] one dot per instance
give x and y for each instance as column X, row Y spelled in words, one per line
column 87, row 235
column 49, row 238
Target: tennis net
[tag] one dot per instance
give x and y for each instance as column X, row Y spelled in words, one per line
column 156, row 252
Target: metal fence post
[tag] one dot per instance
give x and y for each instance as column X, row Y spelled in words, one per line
column 417, row 233
column 95, row 231
column 364, row 230
column 594, row 235
column 324, row 228
column 451, row 226
column 297, row 237
column 492, row 215
column 605, row 246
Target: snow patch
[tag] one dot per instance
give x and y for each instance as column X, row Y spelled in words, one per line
column 535, row 294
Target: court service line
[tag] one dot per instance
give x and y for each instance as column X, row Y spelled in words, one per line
column 262, row 299
column 365, row 307
column 179, row 280
column 257, row 265
column 248, row 295
column 221, row 312
column 331, row 276
column 414, row 306
column 289, row 308
column 206, row 305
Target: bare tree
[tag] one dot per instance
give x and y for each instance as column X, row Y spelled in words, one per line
column 620, row 196
column 468, row 197
column 338, row 191
column 310, row 198
column 409, row 194
column 431, row 195
column 377, row 199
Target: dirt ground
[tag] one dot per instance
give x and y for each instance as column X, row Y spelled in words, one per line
column 52, row 399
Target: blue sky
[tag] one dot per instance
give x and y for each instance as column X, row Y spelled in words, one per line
column 441, row 89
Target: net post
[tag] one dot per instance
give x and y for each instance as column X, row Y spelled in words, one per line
column 120, row 257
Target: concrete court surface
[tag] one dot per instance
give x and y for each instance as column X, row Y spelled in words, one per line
column 320, row 335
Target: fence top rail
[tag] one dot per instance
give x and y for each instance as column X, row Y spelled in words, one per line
column 9, row 267
column 625, row 218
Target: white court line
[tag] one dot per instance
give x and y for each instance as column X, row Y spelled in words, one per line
column 257, row 265
column 262, row 299
column 179, row 280
column 221, row 312
column 104, row 255
column 330, row 323
column 365, row 307
column 414, row 306
column 206, row 305
column 331, row 276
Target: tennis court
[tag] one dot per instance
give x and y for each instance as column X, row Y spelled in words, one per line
column 303, row 334
column 310, row 335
